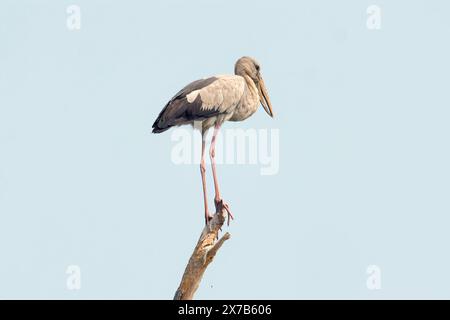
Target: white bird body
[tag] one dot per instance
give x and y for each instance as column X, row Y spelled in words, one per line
column 235, row 97
column 217, row 99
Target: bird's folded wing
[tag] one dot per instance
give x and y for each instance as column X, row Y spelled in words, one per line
column 200, row 100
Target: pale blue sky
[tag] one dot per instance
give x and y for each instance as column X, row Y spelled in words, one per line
column 363, row 119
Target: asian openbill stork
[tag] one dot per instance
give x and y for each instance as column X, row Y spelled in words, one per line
column 213, row 101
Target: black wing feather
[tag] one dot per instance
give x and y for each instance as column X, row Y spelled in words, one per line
column 179, row 111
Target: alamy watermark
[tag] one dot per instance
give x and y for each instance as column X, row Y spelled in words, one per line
column 373, row 21
column 373, row 281
column 73, row 281
column 73, row 21
column 234, row 146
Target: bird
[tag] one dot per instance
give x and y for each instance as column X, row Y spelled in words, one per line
column 213, row 101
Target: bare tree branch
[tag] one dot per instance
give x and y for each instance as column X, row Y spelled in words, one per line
column 204, row 253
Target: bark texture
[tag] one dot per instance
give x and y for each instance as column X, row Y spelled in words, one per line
column 206, row 249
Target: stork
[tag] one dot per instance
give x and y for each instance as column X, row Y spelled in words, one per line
column 213, row 101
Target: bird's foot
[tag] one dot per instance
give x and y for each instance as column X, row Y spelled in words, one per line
column 208, row 218
column 221, row 204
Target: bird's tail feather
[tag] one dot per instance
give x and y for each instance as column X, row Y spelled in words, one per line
column 173, row 114
column 159, row 130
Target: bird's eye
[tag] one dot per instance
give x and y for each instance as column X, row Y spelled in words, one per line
column 257, row 67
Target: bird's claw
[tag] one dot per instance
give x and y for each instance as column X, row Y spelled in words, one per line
column 230, row 215
column 221, row 203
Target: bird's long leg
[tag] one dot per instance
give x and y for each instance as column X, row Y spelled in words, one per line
column 212, row 153
column 203, row 173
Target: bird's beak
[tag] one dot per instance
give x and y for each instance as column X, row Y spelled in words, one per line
column 264, row 97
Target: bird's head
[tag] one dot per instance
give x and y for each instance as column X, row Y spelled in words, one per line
column 247, row 66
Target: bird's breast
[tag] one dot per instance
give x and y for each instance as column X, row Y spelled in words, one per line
column 247, row 106
column 243, row 112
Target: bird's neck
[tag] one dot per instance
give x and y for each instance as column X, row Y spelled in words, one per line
column 253, row 90
column 251, row 99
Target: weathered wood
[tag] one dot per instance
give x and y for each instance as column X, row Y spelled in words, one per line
column 204, row 253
